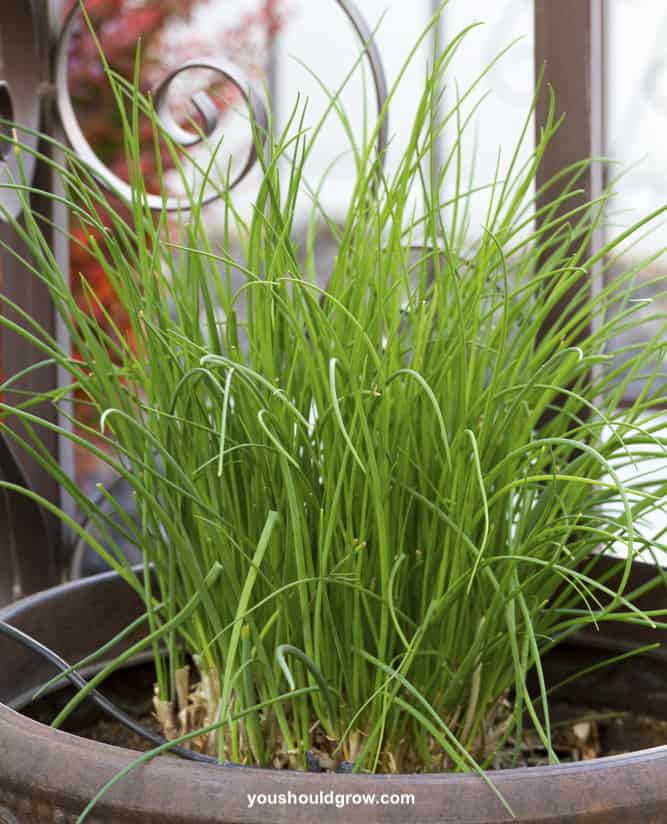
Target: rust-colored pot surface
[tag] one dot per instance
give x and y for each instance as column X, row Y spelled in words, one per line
column 49, row 776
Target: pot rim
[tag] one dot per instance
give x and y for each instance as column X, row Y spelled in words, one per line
column 595, row 790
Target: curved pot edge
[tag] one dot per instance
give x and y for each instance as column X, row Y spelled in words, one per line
column 53, row 767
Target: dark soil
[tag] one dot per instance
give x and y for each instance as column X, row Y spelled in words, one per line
column 582, row 733
column 578, row 732
column 585, row 734
column 109, row 731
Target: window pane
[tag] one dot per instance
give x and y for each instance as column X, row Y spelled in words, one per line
column 636, row 115
column 318, row 45
column 511, row 83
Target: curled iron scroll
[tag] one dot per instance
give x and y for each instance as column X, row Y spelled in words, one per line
column 374, row 58
column 20, row 88
column 77, row 140
column 202, row 103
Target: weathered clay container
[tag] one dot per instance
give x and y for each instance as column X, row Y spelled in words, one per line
column 48, row 775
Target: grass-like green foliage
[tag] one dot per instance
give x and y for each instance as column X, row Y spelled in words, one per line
column 387, row 496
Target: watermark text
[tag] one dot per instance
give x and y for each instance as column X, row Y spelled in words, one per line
column 330, row 798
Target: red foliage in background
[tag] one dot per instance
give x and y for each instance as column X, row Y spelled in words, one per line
column 120, row 25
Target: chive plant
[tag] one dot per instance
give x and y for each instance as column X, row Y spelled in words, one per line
column 369, row 509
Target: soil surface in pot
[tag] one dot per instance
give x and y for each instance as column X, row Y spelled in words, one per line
column 592, row 735
column 578, row 732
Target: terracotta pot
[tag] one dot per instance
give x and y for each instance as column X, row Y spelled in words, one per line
column 48, row 775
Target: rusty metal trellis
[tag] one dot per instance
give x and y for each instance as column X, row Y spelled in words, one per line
column 34, row 45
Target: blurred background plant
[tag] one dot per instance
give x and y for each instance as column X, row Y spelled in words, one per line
column 121, row 26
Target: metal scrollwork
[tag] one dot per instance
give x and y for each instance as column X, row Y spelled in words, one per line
column 202, row 102
column 209, row 111
column 374, row 58
column 20, row 92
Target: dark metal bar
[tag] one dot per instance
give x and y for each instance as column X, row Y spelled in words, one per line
column 33, row 562
column 273, row 57
column 22, row 524
column 438, row 38
column 569, row 48
column 569, row 45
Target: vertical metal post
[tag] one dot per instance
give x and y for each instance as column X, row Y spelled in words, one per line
column 437, row 39
column 273, row 58
column 569, row 46
column 26, row 46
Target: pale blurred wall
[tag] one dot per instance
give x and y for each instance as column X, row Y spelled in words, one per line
column 318, row 34
column 636, row 106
